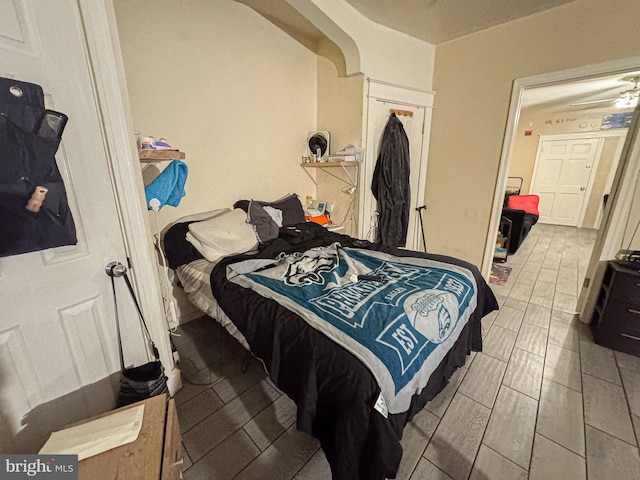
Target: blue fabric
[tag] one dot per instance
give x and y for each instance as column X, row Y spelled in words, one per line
column 401, row 328
column 168, row 187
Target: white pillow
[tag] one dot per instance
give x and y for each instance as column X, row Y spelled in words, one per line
column 198, row 217
column 226, row 234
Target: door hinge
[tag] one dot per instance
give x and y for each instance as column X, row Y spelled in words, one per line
column 129, row 263
column 586, row 282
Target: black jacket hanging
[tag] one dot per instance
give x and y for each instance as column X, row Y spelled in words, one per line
column 34, row 214
column 390, row 185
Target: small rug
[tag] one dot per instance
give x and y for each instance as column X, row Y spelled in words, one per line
column 499, row 274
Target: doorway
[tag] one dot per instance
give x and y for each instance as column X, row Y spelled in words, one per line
column 58, row 346
column 572, row 83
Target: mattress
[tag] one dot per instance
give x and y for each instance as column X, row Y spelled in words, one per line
column 196, row 283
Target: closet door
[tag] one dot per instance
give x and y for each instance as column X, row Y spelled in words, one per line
column 58, row 351
column 416, row 121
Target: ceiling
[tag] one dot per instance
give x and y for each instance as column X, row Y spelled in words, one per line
column 434, row 21
column 589, row 93
column 438, row 21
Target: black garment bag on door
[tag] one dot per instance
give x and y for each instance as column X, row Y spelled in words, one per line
column 390, row 185
column 34, row 212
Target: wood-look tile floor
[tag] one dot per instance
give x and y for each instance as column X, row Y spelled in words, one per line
column 542, row 401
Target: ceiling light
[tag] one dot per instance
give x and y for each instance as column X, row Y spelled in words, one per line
column 628, row 99
column 625, row 99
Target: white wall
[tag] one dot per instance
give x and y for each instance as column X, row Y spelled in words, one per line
column 384, row 54
column 340, row 110
column 473, row 78
column 227, row 87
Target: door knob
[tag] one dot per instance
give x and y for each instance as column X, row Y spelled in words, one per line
column 115, row 269
column 582, row 189
column 588, row 166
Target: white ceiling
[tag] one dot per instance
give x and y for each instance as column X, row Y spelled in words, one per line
column 438, row 21
column 561, row 97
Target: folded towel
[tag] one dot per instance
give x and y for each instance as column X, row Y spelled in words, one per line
column 168, row 187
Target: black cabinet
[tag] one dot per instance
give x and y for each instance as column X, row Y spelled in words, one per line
column 616, row 318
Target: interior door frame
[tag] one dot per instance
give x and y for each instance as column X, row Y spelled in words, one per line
column 104, row 56
column 612, row 230
column 517, row 92
column 600, row 135
column 377, row 90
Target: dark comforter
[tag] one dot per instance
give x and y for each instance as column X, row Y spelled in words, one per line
column 333, row 390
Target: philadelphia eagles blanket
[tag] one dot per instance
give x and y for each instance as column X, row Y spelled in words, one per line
column 399, row 315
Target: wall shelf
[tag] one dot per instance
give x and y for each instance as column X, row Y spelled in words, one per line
column 351, row 188
column 344, row 165
column 149, row 156
column 329, row 164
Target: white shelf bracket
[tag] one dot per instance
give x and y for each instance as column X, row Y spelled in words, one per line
column 315, row 182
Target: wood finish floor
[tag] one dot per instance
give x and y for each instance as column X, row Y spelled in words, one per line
column 542, row 401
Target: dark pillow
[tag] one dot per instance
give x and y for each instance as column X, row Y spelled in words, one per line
column 290, row 206
column 263, row 225
column 528, row 203
column 176, row 248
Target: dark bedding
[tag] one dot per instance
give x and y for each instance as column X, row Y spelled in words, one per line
column 333, row 390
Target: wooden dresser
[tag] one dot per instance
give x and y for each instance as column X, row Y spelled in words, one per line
column 155, row 455
column 616, row 318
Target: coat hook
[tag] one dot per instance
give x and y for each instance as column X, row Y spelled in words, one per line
column 403, row 113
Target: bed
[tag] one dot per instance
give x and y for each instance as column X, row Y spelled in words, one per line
column 347, row 404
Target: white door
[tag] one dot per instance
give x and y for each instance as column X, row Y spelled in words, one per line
column 57, row 343
column 561, row 178
column 414, row 127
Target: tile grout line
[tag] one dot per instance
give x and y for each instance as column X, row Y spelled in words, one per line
column 562, row 446
column 305, row 463
column 241, row 427
column 626, row 397
column 546, row 348
column 438, row 423
column 475, row 458
column 543, row 378
column 584, row 414
column 613, row 436
column 186, row 452
column 251, row 438
column 508, row 361
column 271, row 444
